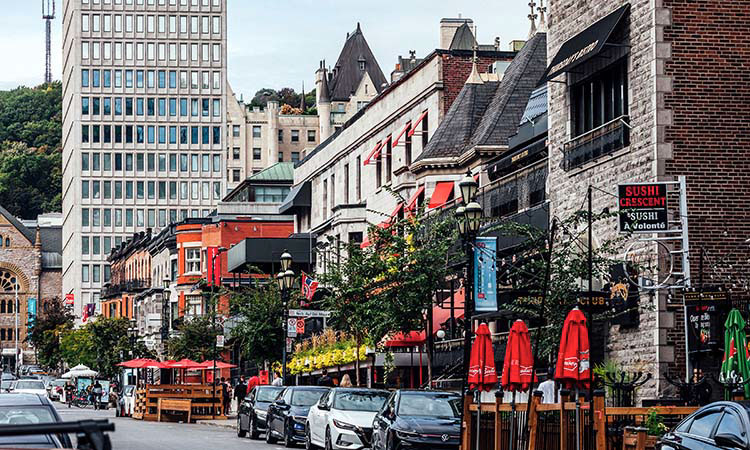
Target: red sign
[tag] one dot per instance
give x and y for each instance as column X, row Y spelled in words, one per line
column 213, row 266
column 643, row 208
column 69, row 299
column 300, row 326
column 263, row 376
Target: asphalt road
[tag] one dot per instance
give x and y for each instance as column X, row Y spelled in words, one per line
column 132, row 434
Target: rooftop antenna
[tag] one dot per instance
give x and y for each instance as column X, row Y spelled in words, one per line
column 48, row 14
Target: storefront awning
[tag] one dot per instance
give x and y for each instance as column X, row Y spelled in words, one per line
column 442, row 193
column 585, row 45
column 299, row 197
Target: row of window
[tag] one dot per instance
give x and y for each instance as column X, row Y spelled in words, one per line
column 6, row 334
column 93, row 273
column 150, row 134
column 149, row 190
column 151, row 162
column 150, row 79
column 150, row 23
column 7, row 307
column 130, row 217
column 294, row 134
column 193, row 3
column 150, row 51
column 150, row 106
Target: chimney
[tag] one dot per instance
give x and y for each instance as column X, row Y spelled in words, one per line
column 448, row 27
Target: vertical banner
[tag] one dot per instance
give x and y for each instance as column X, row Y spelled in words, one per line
column 485, row 274
column 213, row 266
column 31, row 302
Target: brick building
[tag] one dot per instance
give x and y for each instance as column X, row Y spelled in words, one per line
column 31, row 267
column 645, row 91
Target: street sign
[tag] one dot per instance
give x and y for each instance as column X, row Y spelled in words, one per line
column 289, row 342
column 708, row 296
column 69, row 299
column 643, row 208
column 291, row 327
column 220, row 340
column 300, row 326
column 306, row 313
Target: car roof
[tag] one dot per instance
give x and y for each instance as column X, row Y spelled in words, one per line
column 308, row 388
column 427, row 392
column 19, row 399
column 359, row 389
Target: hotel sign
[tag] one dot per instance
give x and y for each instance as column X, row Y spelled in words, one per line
column 643, row 208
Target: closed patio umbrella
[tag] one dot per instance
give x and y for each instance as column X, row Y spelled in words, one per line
column 517, row 368
column 735, row 368
column 573, row 364
column 482, row 372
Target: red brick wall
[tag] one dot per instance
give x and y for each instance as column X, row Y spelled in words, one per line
column 455, row 71
column 711, row 113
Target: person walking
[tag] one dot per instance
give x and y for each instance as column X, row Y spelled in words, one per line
column 346, row 381
column 225, row 397
column 69, row 392
column 277, row 380
column 96, row 394
column 325, row 380
column 240, row 391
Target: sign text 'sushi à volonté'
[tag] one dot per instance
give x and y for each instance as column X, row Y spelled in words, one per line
column 643, row 208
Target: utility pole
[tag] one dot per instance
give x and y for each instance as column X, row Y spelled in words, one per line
column 48, row 14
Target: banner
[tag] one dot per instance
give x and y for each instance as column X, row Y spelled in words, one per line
column 31, row 308
column 485, row 274
column 213, row 266
column 309, row 286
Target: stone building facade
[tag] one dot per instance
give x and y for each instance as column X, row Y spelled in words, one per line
column 674, row 64
column 31, row 268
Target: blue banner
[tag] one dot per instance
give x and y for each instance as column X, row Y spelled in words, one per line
column 485, row 274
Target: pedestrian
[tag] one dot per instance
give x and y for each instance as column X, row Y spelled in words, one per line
column 277, row 380
column 240, row 391
column 547, row 387
column 225, row 397
column 325, row 380
column 252, row 382
column 69, row 393
column 346, row 381
column 96, row 394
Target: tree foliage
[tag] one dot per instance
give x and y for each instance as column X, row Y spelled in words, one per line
column 196, row 339
column 53, row 322
column 258, row 330
column 285, row 96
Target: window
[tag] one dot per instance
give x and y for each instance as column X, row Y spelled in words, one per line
column 358, row 185
column 346, row 184
column 295, row 135
column 256, row 131
column 388, row 161
column 193, row 305
column 729, row 424
column 407, row 146
column 703, row 425
column 256, row 154
column 281, row 135
column 281, row 156
column 236, row 175
column 235, row 131
column 425, row 131
column 378, row 170
column 333, row 191
column 325, row 199
column 268, row 194
column 192, row 260
column 310, row 135
column 295, row 157
column 236, row 153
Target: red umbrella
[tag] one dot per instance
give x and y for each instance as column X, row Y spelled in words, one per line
column 573, row 359
column 482, row 374
column 219, row 365
column 185, row 364
column 132, row 364
column 518, row 362
column 142, row 363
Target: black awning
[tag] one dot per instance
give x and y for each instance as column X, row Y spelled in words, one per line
column 299, row 197
column 258, row 253
column 585, row 45
column 519, row 158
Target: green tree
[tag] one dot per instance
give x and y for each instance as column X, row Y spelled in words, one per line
column 196, row 339
column 30, row 179
column 258, row 312
column 264, row 96
column 77, row 347
column 54, row 321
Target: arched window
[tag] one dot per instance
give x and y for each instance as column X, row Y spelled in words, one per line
column 1, row 241
column 10, row 306
column 2, row 307
column 8, row 281
column 7, row 242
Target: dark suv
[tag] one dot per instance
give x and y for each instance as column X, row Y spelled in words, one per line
column 251, row 417
column 27, row 409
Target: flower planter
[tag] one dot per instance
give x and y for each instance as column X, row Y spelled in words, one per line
column 635, row 438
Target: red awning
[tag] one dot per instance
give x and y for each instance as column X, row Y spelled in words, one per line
column 398, row 137
column 412, row 339
column 375, row 153
column 441, row 194
column 365, row 243
column 395, row 212
column 412, row 203
column 417, row 122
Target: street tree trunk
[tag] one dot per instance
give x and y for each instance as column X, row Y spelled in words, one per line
column 356, row 361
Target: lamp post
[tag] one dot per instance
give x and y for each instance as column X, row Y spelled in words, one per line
column 214, row 305
column 285, row 280
column 468, row 220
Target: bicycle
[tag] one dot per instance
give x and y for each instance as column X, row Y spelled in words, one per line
column 81, row 399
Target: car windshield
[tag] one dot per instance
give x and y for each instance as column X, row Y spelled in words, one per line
column 20, row 415
column 429, row 405
column 29, row 384
column 360, row 400
column 6, row 384
column 306, row 397
column 267, row 394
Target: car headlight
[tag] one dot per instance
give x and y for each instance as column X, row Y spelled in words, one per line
column 406, row 434
column 299, row 422
column 260, row 413
column 344, row 425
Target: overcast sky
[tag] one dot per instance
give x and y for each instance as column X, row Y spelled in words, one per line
column 278, row 43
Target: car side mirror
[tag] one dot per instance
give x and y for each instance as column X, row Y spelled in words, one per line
column 323, row 407
column 729, row 440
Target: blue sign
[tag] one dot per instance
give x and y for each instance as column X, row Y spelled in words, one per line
column 31, row 302
column 485, row 274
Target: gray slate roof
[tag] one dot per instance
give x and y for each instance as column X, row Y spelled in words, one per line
column 537, row 104
column 489, row 113
column 28, row 234
column 347, row 74
column 51, row 239
column 463, row 39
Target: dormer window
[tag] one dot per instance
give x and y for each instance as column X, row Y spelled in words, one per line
column 361, row 65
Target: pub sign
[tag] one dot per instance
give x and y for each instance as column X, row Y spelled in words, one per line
column 643, row 208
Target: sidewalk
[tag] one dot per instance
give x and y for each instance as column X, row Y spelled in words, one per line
column 229, row 423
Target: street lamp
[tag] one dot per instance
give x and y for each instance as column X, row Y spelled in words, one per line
column 469, row 187
column 214, row 306
column 285, row 281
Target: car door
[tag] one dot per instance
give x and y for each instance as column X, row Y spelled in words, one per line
column 246, row 409
column 314, row 421
column 731, row 424
column 273, row 412
column 699, row 435
column 383, row 421
column 282, row 412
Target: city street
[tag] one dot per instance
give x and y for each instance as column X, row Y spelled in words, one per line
column 140, row 435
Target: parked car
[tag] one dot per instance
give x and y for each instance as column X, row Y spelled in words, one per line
column 253, row 410
column 126, row 401
column 419, row 420
column 26, row 386
column 21, row 409
column 287, row 415
column 55, row 389
column 342, row 419
column 720, row 425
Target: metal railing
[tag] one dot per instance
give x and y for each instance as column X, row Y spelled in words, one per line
column 600, row 141
column 136, row 285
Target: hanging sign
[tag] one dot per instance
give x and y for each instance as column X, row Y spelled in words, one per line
column 308, row 313
column 643, row 208
column 485, row 274
column 69, row 299
column 300, row 326
column 220, row 340
column 291, row 327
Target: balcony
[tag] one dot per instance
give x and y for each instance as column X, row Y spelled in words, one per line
column 131, row 286
column 592, row 145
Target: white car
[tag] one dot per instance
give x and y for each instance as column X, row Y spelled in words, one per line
column 29, row 387
column 342, row 419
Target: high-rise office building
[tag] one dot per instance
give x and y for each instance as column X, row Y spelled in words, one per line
column 144, row 126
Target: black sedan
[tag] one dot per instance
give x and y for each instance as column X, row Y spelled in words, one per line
column 720, row 425
column 288, row 414
column 418, row 420
column 253, row 409
column 28, row 409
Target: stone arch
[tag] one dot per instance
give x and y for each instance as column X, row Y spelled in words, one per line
column 10, row 274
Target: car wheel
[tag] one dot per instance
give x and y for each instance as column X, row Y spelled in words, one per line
column 269, row 435
column 308, row 440
column 288, row 441
column 329, row 446
column 254, row 434
column 240, row 432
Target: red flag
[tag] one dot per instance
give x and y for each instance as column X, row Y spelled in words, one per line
column 308, row 286
column 213, row 266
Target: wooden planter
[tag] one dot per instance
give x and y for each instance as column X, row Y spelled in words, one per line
column 635, row 438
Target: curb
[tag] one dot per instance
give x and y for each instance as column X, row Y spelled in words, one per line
column 227, row 424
